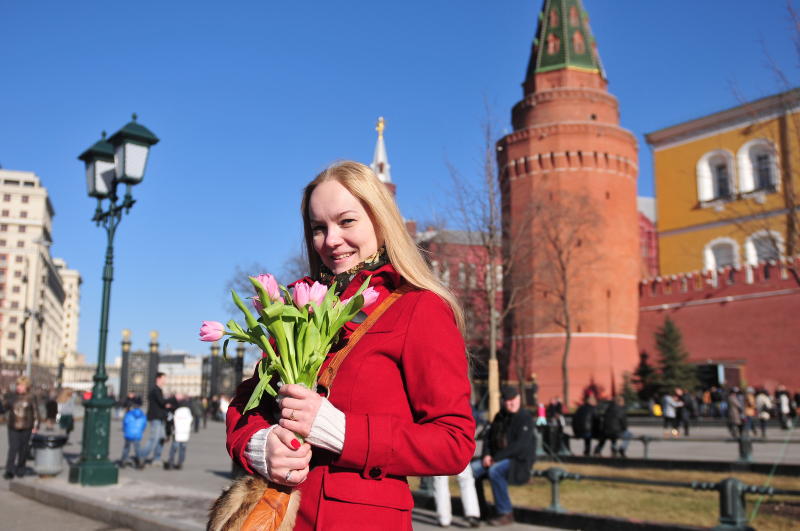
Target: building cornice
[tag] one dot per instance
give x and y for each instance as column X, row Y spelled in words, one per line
column 740, row 116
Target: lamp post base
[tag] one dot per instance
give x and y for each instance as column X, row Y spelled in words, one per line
column 94, row 473
column 93, row 468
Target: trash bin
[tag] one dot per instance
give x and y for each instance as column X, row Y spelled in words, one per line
column 48, row 456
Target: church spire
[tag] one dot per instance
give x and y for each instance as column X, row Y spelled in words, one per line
column 564, row 40
column 380, row 161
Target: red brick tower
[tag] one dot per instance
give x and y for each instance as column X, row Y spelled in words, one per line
column 568, row 175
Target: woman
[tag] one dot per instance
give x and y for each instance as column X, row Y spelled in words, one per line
column 399, row 405
column 66, row 410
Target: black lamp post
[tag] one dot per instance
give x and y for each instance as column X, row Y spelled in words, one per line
column 119, row 160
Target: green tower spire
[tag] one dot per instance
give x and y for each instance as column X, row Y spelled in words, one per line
column 564, row 40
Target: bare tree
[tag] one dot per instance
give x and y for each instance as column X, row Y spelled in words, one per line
column 477, row 211
column 563, row 227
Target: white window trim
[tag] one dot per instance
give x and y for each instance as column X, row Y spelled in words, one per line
column 750, row 253
column 706, row 185
column 746, row 164
column 709, row 262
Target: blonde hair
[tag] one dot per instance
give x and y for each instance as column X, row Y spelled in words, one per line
column 374, row 196
column 24, row 380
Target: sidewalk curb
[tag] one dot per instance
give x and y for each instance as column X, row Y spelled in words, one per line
column 110, row 513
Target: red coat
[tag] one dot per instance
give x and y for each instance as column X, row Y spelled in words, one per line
column 405, row 395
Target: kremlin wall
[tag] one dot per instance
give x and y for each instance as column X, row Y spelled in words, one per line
column 741, row 322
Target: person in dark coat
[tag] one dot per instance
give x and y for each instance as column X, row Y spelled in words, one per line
column 582, row 422
column 509, row 451
column 157, row 410
column 615, row 427
column 23, row 420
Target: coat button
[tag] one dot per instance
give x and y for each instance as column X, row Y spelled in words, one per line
column 375, row 472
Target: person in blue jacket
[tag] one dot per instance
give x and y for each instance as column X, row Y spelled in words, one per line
column 133, row 425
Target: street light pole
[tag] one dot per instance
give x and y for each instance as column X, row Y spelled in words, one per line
column 128, row 149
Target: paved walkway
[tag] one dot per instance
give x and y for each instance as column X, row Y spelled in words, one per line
column 170, row 497
column 165, row 499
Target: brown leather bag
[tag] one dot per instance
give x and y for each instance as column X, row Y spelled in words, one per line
column 252, row 503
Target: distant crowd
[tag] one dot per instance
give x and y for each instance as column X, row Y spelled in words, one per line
column 168, row 422
column 746, row 411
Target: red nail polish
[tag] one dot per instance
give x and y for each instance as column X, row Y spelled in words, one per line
column 295, row 444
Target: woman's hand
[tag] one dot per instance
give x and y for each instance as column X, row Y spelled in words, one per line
column 299, row 408
column 287, row 459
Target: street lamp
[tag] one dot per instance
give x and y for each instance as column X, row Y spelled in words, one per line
column 119, row 160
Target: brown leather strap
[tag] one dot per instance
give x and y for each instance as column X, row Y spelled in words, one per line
column 327, row 376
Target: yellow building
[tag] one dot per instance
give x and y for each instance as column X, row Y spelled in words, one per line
column 726, row 186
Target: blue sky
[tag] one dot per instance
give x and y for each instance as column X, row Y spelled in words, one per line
column 252, row 98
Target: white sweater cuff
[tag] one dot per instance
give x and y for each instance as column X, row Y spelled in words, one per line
column 328, row 429
column 256, row 451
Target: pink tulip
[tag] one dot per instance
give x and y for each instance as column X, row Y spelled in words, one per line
column 370, row 296
column 257, row 304
column 301, row 293
column 317, row 293
column 270, row 285
column 211, row 331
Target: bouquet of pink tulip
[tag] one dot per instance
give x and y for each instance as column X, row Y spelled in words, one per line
column 304, row 324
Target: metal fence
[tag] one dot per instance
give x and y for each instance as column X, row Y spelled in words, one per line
column 732, row 493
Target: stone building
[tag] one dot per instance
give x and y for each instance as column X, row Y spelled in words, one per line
column 724, row 183
column 33, row 318
column 726, row 192
column 569, row 166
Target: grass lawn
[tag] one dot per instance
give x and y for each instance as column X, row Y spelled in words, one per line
column 657, row 504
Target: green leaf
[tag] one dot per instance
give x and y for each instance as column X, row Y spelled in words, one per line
column 225, row 348
column 251, row 321
column 255, row 398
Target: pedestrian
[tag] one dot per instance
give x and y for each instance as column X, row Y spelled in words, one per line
column 615, row 427
column 764, row 408
column 133, row 425
column 197, row 412
column 157, row 411
column 399, row 404
column 224, row 403
column 50, row 411
column 783, row 405
column 182, row 428
column 670, row 404
column 735, row 413
column 750, row 411
column 583, row 421
column 23, row 420
column 206, row 410
column 66, row 410
column 469, row 499
column 214, row 408
column 508, row 453
column 685, row 411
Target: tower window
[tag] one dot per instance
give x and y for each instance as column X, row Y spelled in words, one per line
column 721, row 253
column 554, row 17
column 574, row 19
column 722, row 181
column 764, row 172
column 553, row 44
column 578, row 44
column 714, row 176
column 757, row 166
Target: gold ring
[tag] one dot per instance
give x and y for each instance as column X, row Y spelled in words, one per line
column 291, row 415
